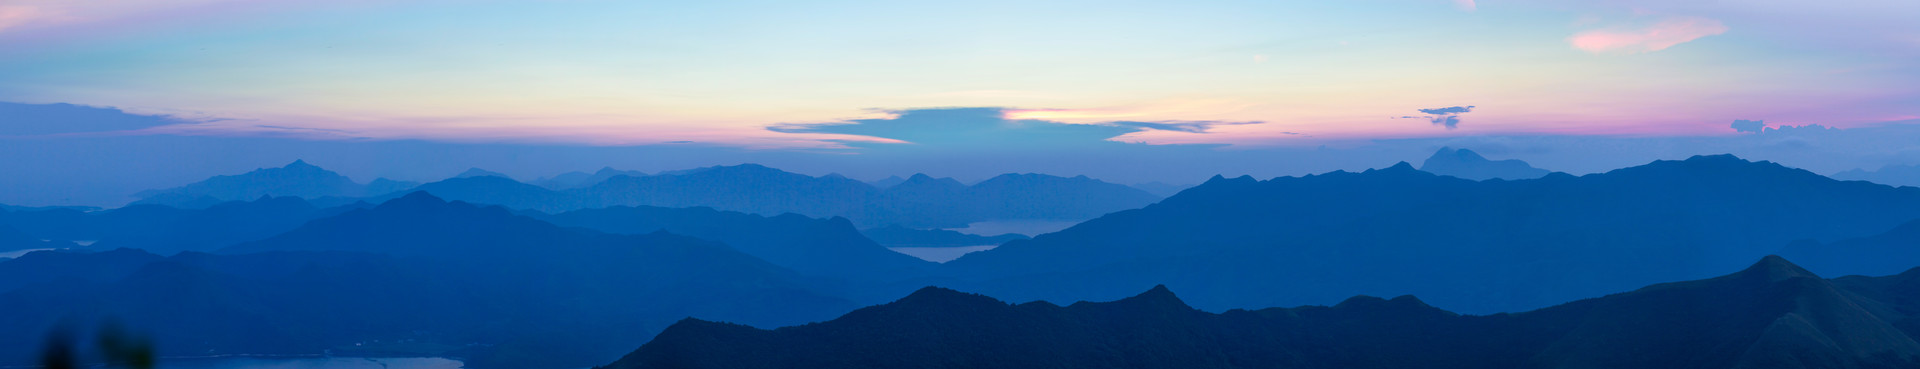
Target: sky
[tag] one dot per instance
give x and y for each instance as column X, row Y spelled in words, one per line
column 1129, row 91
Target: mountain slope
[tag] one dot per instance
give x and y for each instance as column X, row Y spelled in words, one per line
column 1771, row 315
column 1476, row 247
column 823, row 247
column 1886, row 253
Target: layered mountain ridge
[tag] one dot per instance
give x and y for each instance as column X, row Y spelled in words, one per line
column 1773, row 314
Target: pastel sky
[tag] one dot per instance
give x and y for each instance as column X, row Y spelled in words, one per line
column 734, row 73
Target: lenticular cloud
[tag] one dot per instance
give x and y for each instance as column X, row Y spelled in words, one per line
column 1656, row 37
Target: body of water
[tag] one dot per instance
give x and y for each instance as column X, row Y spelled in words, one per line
column 1029, row 227
column 17, row 253
column 940, row 254
column 311, row 363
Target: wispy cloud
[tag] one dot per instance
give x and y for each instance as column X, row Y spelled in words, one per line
column 1658, row 36
column 1447, row 116
column 19, row 15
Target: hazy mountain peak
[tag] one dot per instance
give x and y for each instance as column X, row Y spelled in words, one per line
column 477, row 172
column 921, row 179
column 1464, row 163
column 1397, row 167
column 294, row 179
column 890, row 181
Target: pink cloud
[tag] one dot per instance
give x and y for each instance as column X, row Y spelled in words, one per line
column 1466, row 5
column 1659, row 36
column 17, row 15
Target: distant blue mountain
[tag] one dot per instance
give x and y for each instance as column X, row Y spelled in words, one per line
column 486, row 189
column 1467, row 164
column 572, row 180
column 1472, row 246
column 1891, row 175
column 921, row 201
column 477, row 172
column 297, row 179
column 1771, row 315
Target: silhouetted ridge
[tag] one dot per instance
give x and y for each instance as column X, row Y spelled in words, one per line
column 1159, row 298
column 1773, row 315
column 1774, row 268
column 938, row 296
column 1401, row 305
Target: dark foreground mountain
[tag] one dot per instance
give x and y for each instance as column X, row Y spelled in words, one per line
column 297, row 179
column 897, row 236
column 1467, row 164
column 1470, row 246
column 1770, row 315
column 480, row 283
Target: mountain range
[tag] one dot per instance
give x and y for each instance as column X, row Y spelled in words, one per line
column 505, row 274
column 297, row 179
column 497, row 289
column 1467, row 164
column 1770, row 315
column 1471, row 246
column 920, row 201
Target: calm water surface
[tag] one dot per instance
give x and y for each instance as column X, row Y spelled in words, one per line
column 940, row 254
column 1029, row 227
